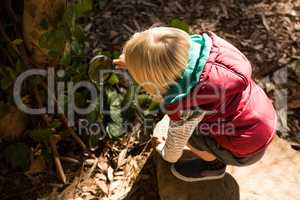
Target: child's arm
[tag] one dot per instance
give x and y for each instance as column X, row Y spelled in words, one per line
column 120, row 62
column 177, row 138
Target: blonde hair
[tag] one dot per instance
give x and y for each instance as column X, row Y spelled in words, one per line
column 157, row 57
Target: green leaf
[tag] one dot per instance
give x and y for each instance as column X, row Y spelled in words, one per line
column 114, row 130
column 53, row 41
column 94, row 140
column 113, row 97
column 79, row 34
column 107, row 53
column 54, row 54
column 144, row 100
column 66, row 59
column 70, row 16
column 131, row 94
column 76, row 47
column 113, row 79
column 17, row 42
column 152, row 108
column 55, row 124
column 180, row 24
column 115, row 114
column 153, row 105
column 93, row 116
column 148, row 104
column 76, row 10
column 17, row 155
column 40, row 135
column 116, row 54
column 115, row 126
column 83, row 6
column 130, row 102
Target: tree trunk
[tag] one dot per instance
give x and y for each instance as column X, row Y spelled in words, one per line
column 39, row 17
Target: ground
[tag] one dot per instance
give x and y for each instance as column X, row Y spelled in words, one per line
column 266, row 31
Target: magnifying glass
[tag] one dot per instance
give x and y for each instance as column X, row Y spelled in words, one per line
column 97, row 64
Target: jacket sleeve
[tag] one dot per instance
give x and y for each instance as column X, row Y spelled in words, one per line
column 179, row 133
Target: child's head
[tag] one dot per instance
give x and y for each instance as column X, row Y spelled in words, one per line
column 157, row 57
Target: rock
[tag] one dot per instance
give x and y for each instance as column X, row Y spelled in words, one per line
column 276, row 176
column 171, row 188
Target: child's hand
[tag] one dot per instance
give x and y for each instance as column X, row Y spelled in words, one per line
column 120, row 62
column 158, row 143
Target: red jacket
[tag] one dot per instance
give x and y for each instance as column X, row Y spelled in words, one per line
column 243, row 119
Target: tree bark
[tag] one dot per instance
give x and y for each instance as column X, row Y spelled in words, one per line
column 39, row 17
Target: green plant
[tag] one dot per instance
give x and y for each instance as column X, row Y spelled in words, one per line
column 180, row 24
column 66, row 44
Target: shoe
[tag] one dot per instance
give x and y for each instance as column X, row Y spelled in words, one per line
column 193, row 170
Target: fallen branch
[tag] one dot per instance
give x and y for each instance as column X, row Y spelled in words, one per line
column 52, row 142
column 69, row 159
column 92, row 169
column 57, row 161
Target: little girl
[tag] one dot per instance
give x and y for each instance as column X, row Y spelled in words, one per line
column 204, row 84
